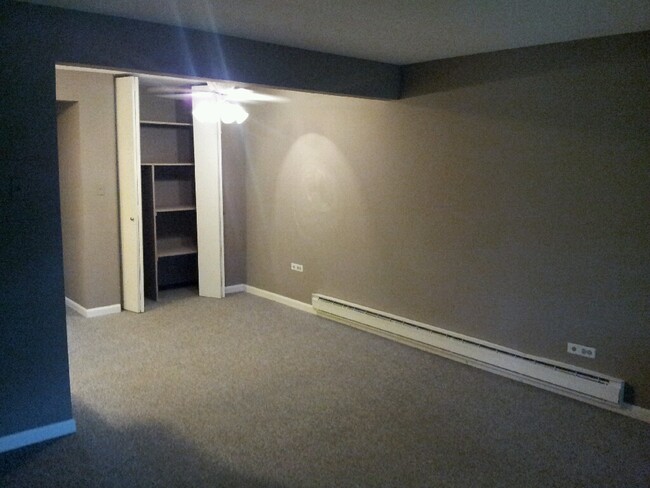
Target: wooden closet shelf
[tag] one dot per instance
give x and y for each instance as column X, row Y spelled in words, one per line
column 165, row 164
column 177, row 251
column 165, row 124
column 178, row 208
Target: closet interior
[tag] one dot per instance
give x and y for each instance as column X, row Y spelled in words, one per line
column 169, row 233
column 171, row 205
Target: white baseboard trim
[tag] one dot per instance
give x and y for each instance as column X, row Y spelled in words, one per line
column 93, row 312
column 39, row 434
column 634, row 411
column 235, row 289
column 305, row 307
column 626, row 409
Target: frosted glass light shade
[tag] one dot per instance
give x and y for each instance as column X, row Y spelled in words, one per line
column 212, row 111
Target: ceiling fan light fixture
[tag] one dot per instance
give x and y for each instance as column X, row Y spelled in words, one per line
column 232, row 113
column 213, row 111
column 206, row 111
column 242, row 115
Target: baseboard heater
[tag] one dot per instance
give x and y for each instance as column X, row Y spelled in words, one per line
column 548, row 374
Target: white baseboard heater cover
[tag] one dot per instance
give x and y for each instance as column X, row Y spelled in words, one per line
column 545, row 373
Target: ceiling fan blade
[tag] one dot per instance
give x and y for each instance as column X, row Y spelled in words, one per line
column 161, row 90
column 176, row 96
column 225, row 92
column 244, row 95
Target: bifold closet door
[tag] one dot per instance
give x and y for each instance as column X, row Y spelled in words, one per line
column 209, row 204
column 129, row 181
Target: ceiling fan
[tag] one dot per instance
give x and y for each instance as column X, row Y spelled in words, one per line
column 215, row 101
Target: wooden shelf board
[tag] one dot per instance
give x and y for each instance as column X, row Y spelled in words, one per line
column 177, row 208
column 167, row 164
column 177, row 251
column 165, row 124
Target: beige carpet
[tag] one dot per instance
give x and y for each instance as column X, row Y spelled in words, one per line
column 249, row 393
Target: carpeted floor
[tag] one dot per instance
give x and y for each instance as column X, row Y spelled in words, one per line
column 249, row 393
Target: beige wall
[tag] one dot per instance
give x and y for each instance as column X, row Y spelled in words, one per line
column 506, row 198
column 89, row 190
column 234, row 203
column 71, row 198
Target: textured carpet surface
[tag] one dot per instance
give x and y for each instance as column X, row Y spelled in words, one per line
column 249, row 393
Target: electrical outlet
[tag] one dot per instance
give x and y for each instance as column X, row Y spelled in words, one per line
column 296, row 267
column 577, row 349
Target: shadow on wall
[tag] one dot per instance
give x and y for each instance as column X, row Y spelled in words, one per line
column 478, row 69
column 105, row 454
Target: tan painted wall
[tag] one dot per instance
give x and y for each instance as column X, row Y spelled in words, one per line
column 234, row 203
column 506, row 198
column 90, row 225
column 71, row 198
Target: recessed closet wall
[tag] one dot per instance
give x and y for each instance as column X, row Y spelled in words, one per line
column 233, row 154
column 67, row 121
column 88, row 181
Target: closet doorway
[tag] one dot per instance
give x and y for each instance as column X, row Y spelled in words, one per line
column 182, row 196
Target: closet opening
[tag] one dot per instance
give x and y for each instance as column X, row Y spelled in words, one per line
column 141, row 190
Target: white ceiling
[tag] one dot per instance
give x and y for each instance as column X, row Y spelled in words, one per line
column 393, row 31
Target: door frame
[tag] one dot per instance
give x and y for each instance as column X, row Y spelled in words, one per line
column 127, row 125
column 209, row 194
column 209, row 204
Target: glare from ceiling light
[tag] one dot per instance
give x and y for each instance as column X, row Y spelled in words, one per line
column 213, row 111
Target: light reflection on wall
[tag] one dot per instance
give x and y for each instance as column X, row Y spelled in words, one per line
column 319, row 177
column 318, row 191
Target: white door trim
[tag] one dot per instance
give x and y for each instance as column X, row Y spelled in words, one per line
column 127, row 107
column 209, row 205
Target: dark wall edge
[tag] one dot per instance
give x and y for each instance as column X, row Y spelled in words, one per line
column 100, row 40
column 444, row 74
